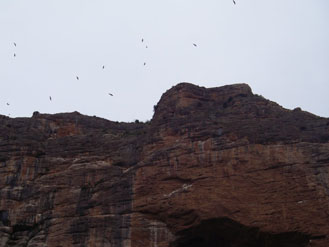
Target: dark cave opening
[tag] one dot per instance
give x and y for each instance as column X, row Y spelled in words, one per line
column 224, row 232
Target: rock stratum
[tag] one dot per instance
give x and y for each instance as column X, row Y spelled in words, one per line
column 214, row 167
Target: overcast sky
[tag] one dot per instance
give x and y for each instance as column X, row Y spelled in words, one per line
column 279, row 47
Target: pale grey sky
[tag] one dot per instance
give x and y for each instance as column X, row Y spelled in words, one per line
column 279, row 47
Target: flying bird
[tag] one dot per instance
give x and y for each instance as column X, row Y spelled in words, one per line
column 144, row 64
column 195, row 45
column 77, row 77
column 146, row 47
column 8, row 103
column 14, row 44
column 142, row 40
column 14, row 54
column 103, row 67
column 50, row 98
column 110, row 94
column 234, row 2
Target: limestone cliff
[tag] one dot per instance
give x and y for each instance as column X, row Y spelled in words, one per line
column 214, row 167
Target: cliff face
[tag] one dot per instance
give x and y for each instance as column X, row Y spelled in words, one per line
column 214, row 167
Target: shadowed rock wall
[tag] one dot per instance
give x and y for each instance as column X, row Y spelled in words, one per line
column 214, row 167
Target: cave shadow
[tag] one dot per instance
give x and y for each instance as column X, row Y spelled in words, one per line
column 224, row 232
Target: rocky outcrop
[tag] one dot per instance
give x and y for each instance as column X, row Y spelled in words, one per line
column 214, row 167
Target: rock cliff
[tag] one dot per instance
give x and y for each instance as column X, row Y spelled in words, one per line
column 214, row 167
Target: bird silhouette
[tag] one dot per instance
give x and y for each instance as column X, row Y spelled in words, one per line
column 146, row 47
column 195, row 45
column 14, row 54
column 7, row 103
column 142, row 40
column 14, row 44
column 110, row 94
column 234, row 2
column 103, row 67
column 144, row 64
column 50, row 98
column 77, row 77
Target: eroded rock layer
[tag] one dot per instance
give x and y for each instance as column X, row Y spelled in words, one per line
column 214, row 167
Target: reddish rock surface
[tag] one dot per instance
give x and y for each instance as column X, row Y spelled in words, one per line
column 214, row 167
